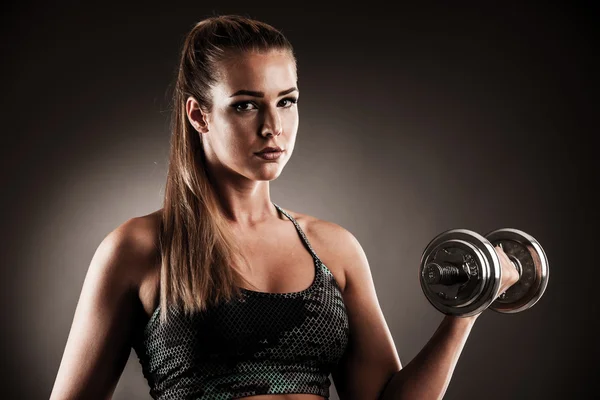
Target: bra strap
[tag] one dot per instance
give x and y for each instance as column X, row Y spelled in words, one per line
column 301, row 232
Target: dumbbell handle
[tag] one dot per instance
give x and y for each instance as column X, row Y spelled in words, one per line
column 444, row 274
column 449, row 274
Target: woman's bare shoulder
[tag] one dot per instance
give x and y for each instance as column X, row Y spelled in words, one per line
column 136, row 240
column 327, row 232
column 107, row 312
column 335, row 245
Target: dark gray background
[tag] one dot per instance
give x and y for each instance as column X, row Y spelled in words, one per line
column 413, row 120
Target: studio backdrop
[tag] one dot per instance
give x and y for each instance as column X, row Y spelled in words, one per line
column 414, row 119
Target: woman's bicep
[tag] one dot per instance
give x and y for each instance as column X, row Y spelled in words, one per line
column 371, row 358
column 99, row 342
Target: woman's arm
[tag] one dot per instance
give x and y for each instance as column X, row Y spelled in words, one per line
column 99, row 341
column 428, row 374
column 371, row 367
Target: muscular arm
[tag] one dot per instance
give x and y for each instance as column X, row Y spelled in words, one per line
column 428, row 374
column 371, row 367
column 99, row 342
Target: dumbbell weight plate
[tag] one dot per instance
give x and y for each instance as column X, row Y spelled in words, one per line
column 474, row 253
column 530, row 257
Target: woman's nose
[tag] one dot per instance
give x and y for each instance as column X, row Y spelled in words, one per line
column 272, row 124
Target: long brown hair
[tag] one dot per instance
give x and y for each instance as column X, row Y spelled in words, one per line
column 197, row 249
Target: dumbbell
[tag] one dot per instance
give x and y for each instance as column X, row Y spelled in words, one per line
column 460, row 271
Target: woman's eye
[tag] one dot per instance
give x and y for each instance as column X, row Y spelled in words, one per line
column 243, row 106
column 290, row 101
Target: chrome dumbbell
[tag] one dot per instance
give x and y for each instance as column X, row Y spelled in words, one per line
column 460, row 271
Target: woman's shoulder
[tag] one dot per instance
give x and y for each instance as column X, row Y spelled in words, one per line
column 335, row 245
column 135, row 244
column 138, row 236
column 325, row 231
column 135, row 248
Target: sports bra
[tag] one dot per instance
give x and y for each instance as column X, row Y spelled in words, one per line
column 260, row 343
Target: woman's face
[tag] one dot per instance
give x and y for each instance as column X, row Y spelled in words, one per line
column 254, row 107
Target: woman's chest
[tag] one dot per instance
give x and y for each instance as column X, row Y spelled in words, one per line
column 278, row 261
column 283, row 262
column 279, row 327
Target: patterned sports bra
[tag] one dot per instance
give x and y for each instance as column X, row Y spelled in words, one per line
column 262, row 343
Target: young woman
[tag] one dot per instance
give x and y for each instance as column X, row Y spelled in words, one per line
column 224, row 294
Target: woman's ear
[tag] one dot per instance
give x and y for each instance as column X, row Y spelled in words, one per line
column 197, row 117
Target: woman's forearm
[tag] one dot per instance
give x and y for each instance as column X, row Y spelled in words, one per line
column 428, row 374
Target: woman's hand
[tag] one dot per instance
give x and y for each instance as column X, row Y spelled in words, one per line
column 509, row 274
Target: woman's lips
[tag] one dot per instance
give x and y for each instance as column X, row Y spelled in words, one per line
column 270, row 155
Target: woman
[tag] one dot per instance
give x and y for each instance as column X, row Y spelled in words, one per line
column 224, row 294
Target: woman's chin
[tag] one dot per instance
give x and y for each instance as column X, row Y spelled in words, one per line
column 267, row 175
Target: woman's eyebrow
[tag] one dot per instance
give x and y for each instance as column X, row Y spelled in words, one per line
column 261, row 94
